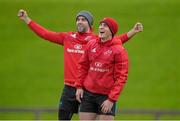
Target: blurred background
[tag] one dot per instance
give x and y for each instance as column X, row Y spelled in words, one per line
column 31, row 69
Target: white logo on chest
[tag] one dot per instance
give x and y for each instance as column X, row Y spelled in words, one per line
column 93, row 50
column 98, row 64
column 73, row 35
column 78, row 46
column 108, row 52
column 88, row 38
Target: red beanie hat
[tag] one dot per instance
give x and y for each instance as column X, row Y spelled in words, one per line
column 112, row 24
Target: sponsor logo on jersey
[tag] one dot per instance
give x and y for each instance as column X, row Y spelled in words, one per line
column 98, row 64
column 75, row 51
column 78, row 46
column 99, row 69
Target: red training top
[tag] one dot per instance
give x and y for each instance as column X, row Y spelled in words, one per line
column 103, row 69
column 74, row 45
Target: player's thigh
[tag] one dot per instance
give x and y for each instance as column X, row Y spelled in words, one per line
column 87, row 116
column 106, row 117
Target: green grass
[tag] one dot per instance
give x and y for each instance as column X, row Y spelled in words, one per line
column 31, row 69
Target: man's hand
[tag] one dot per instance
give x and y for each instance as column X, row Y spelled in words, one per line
column 138, row 27
column 79, row 95
column 106, row 106
column 22, row 14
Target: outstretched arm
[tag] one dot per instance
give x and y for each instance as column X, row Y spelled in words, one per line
column 138, row 27
column 41, row 31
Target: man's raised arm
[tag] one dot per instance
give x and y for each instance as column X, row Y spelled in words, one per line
column 56, row 37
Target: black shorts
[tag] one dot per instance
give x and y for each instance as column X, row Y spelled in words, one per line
column 91, row 102
column 68, row 100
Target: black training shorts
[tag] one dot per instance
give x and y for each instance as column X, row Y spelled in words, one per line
column 68, row 100
column 91, row 102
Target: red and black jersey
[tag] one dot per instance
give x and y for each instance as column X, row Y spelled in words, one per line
column 74, row 45
column 103, row 69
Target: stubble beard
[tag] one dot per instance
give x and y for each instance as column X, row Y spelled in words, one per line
column 81, row 29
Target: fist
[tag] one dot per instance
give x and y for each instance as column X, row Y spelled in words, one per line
column 138, row 27
column 22, row 14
